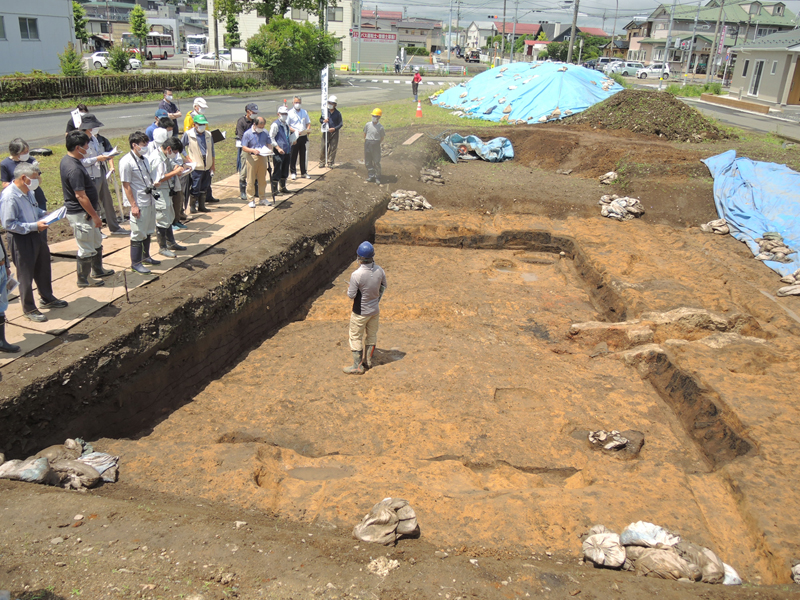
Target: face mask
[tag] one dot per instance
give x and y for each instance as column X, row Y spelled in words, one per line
column 82, row 151
column 201, row 128
column 24, row 157
column 137, row 150
column 283, row 117
column 33, row 185
column 330, row 106
column 199, row 111
column 169, row 155
column 94, row 132
column 375, row 119
column 169, row 97
column 259, row 129
column 297, row 106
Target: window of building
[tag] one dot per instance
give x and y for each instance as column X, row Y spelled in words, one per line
column 2, row 28
column 762, row 31
column 28, row 28
column 339, row 50
column 774, row 67
column 336, row 14
column 104, row 28
column 744, row 69
column 299, row 14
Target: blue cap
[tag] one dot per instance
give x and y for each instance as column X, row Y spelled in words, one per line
column 365, row 250
column 161, row 113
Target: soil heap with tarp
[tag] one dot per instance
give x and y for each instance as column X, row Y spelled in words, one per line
column 528, row 92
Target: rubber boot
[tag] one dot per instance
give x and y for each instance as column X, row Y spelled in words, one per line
column 171, row 243
column 146, row 258
column 136, row 258
column 201, row 203
column 163, row 247
column 283, row 187
column 368, row 356
column 97, row 265
column 84, row 270
column 192, row 205
column 357, row 368
column 4, row 345
column 274, row 185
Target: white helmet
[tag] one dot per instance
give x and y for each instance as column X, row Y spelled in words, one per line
column 333, row 100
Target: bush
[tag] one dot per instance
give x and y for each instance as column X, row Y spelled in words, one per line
column 694, row 91
column 71, row 62
column 416, row 51
column 119, row 59
column 620, row 80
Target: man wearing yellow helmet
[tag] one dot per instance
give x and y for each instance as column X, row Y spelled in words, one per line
column 373, row 136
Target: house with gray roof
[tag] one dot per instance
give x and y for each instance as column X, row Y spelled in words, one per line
column 767, row 69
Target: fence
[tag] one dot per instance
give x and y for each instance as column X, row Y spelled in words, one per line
column 38, row 88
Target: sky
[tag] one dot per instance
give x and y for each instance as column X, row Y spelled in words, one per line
column 591, row 12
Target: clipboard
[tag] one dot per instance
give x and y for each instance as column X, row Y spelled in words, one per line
column 56, row 215
column 217, row 136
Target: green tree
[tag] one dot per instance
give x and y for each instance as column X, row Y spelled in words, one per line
column 71, row 62
column 139, row 27
column 232, row 37
column 79, row 22
column 290, row 49
column 119, row 59
column 542, row 36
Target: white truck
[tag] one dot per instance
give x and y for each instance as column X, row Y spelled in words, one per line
column 196, row 44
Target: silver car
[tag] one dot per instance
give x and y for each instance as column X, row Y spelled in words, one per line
column 626, row 69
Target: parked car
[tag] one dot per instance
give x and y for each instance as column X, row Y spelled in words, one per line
column 590, row 64
column 654, row 71
column 607, row 68
column 99, row 60
column 603, row 62
column 209, row 60
column 626, row 69
column 472, row 56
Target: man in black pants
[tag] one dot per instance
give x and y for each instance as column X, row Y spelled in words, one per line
column 300, row 126
column 281, row 136
column 23, row 218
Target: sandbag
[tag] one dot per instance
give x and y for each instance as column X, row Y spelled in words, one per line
column 604, row 549
column 710, row 565
column 32, row 470
column 634, row 553
column 74, row 474
column 666, row 564
column 796, row 573
column 103, row 463
column 731, row 576
column 388, row 520
column 648, row 535
column 70, row 450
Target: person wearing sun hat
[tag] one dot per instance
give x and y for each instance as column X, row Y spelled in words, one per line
column 199, row 147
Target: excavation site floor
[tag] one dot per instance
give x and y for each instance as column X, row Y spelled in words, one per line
column 516, row 321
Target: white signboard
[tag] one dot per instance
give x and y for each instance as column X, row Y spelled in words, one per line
column 324, row 97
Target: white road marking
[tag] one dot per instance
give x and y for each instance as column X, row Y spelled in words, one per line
column 385, row 81
column 374, row 81
column 397, row 81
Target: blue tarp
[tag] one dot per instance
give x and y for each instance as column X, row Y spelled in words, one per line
column 756, row 197
column 539, row 89
column 495, row 150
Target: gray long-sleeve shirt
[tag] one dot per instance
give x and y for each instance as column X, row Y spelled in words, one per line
column 365, row 289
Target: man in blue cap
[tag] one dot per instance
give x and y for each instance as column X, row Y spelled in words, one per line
column 160, row 114
column 367, row 284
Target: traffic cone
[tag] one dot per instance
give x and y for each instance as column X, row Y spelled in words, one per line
column 419, row 108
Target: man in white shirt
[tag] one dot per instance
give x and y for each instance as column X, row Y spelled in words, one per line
column 137, row 181
column 300, row 125
column 95, row 164
column 166, row 173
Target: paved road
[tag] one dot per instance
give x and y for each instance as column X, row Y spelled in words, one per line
column 745, row 120
column 47, row 127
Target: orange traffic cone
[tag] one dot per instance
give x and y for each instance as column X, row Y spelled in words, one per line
column 419, row 108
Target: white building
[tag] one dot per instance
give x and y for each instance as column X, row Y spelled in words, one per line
column 33, row 34
column 478, row 32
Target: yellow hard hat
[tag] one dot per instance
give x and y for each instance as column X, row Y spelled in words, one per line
column 377, row 112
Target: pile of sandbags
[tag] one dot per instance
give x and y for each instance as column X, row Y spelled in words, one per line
column 609, row 178
column 431, row 176
column 772, row 247
column 71, row 465
column 387, row 521
column 718, row 226
column 620, row 208
column 408, row 200
column 652, row 551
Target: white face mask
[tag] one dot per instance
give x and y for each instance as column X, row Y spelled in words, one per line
column 199, row 111
column 24, row 157
column 201, row 128
column 297, row 106
column 33, row 185
column 169, row 97
column 137, row 150
column 330, row 106
column 95, row 131
column 283, row 117
column 258, row 129
column 375, row 119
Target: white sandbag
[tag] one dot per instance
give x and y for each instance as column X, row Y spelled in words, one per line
column 796, row 573
column 665, row 563
column 388, row 520
column 32, row 470
column 604, row 549
column 103, row 463
column 649, row 535
column 731, row 576
column 710, row 565
column 634, row 553
column 75, row 475
column 70, row 449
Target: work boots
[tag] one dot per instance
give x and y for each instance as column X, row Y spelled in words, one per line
column 4, row 345
column 97, row 265
column 274, row 185
column 146, row 258
column 368, row 356
column 201, row 203
column 163, row 247
column 357, row 368
column 192, row 205
column 283, row 187
column 84, row 270
column 171, row 243
column 137, row 253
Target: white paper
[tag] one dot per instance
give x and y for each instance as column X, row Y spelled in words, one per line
column 109, row 174
column 188, row 167
column 76, row 118
column 238, row 143
column 224, row 135
column 112, row 152
column 264, row 151
column 11, row 284
column 56, row 215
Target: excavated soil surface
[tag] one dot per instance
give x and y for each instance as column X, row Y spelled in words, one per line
column 248, row 482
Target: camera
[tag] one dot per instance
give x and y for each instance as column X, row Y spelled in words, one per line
column 149, row 190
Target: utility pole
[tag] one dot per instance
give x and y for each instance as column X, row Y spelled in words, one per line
column 614, row 31
column 514, row 31
column 449, row 32
column 716, row 40
column 108, row 25
column 458, row 21
column 574, row 31
column 212, row 28
column 503, row 37
column 666, row 48
column 691, row 44
column 358, row 63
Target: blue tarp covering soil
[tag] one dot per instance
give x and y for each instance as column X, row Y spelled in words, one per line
column 535, row 92
column 756, row 197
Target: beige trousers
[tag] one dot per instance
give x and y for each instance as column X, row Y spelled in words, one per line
column 358, row 327
column 256, row 167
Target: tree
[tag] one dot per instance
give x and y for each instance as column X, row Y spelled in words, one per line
column 71, row 62
column 139, row 27
column 79, row 22
column 119, row 59
column 291, row 50
column 232, row 37
column 542, row 36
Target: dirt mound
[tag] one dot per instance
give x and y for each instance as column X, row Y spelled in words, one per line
column 651, row 113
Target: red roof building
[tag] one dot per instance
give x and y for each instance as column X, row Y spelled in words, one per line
column 520, row 29
column 593, row 31
column 389, row 15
